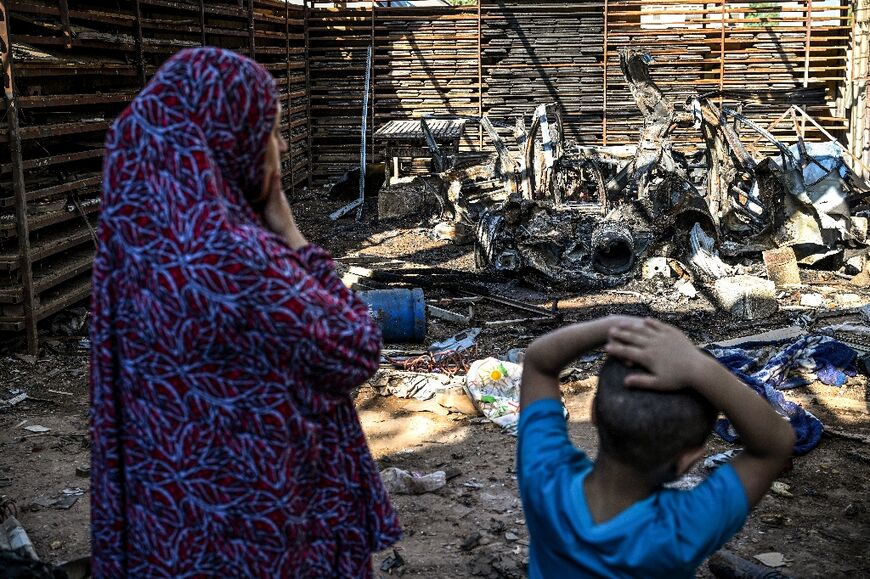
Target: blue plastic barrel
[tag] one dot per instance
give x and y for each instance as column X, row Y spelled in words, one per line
column 400, row 313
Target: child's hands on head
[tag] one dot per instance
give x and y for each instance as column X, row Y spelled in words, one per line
column 671, row 360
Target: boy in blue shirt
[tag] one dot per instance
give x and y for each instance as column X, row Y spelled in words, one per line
column 657, row 399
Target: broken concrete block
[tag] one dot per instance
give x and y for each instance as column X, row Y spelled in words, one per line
column 782, row 267
column 746, row 296
column 855, row 264
column 858, row 228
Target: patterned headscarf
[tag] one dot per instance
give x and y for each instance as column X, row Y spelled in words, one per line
column 209, row 332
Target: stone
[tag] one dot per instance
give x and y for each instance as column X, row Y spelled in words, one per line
column 746, row 296
column 782, row 267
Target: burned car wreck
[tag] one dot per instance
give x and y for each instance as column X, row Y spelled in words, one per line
column 587, row 217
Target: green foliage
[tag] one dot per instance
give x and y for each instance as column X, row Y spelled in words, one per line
column 764, row 11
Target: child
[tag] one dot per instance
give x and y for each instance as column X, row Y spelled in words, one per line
column 658, row 396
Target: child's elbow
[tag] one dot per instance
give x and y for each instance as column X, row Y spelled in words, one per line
column 786, row 441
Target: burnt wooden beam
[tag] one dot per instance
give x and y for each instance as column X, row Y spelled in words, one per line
column 18, row 186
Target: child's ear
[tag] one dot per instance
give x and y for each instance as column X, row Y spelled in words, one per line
column 687, row 458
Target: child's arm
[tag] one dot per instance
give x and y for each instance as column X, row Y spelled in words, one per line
column 673, row 362
column 549, row 354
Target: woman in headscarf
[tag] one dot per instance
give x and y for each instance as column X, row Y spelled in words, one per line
column 224, row 439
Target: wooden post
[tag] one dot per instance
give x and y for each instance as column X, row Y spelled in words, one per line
column 252, row 40
column 289, row 99
column 480, row 67
column 140, row 46
column 63, row 6
column 310, row 151
column 202, row 21
column 374, row 83
column 25, row 263
column 722, row 53
column 807, row 41
column 605, row 47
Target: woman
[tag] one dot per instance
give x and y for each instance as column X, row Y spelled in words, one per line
column 224, row 439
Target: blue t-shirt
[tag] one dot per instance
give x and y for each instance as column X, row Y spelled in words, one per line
column 668, row 534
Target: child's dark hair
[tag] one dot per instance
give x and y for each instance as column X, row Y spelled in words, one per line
column 645, row 429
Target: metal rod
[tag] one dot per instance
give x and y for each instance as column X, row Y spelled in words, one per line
column 807, row 41
column 722, row 54
column 604, row 88
column 821, row 129
column 140, row 46
column 63, row 6
column 289, row 98
column 374, row 83
column 305, row 32
column 23, row 229
column 479, row 69
column 252, row 39
column 202, row 21
column 364, row 131
column 358, row 203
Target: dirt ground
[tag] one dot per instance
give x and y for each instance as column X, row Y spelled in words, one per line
column 822, row 527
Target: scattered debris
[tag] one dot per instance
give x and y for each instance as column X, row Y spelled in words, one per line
column 782, row 267
column 776, row 520
column 13, row 537
column 462, row 342
column 687, row 289
column 685, row 483
column 812, row 300
column 422, row 386
column 494, row 387
column 712, row 462
column 727, row 565
column 781, row 489
column 402, row 482
column 83, row 471
column 771, row 367
column 854, row 509
column 37, row 429
column 16, row 397
column 71, row 322
column 747, row 297
column 772, row 559
column 394, row 561
column 472, row 541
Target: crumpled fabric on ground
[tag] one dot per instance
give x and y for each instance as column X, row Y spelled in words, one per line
column 771, row 367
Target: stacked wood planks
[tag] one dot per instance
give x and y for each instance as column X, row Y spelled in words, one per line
column 771, row 47
column 543, row 52
column 75, row 66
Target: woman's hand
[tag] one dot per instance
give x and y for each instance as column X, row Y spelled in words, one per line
column 279, row 216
